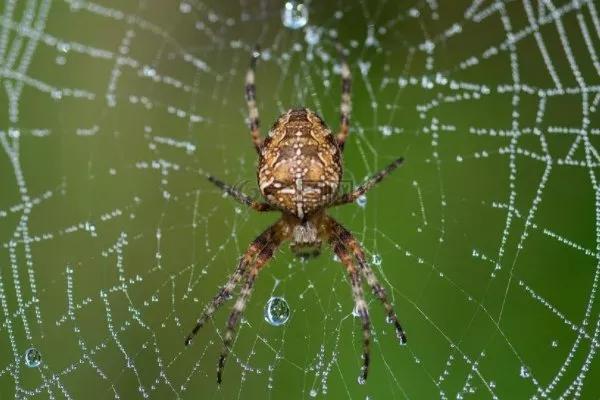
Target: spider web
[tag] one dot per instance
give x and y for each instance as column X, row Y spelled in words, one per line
column 487, row 239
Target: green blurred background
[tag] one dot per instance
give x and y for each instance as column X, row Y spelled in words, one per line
column 111, row 242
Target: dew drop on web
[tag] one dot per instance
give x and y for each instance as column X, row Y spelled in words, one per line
column 376, row 259
column 362, row 201
column 294, row 15
column 277, row 311
column 185, row 8
column 33, row 358
column 312, row 35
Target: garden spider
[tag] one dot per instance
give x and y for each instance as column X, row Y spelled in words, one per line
column 299, row 173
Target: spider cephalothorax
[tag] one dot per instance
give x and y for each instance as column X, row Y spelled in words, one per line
column 299, row 173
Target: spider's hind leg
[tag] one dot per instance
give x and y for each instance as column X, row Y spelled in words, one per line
column 226, row 291
column 359, row 300
column 350, row 242
column 263, row 257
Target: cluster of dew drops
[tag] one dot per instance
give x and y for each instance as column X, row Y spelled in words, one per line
column 295, row 16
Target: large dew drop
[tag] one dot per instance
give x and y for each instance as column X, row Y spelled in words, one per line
column 277, row 311
column 376, row 260
column 294, row 15
column 362, row 201
column 33, row 358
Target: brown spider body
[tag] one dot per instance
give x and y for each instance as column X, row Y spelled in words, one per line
column 299, row 174
column 300, row 166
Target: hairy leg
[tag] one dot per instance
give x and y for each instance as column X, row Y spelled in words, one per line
column 359, row 300
column 345, row 104
column 240, row 304
column 250, row 91
column 368, row 184
column 260, row 243
column 240, row 196
column 352, row 244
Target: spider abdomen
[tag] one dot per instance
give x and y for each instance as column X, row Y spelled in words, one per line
column 300, row 164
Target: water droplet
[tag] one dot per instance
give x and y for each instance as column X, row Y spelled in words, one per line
column 75, row 5
column 313, row 393
column 361, row 379
column 33, row 358
column 362, row 200
column 185, row 7
column 63, row 47
column 148, row 71
column 524, row 372
column 312, row 35
column 401, row 336
column 355, row 312
column 376, row 259
column 294, row 15
column 277, row 311
column 386, row 130
column 555, row 343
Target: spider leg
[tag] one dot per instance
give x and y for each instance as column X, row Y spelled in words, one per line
column 250, row 90
column 265, row 255
column 239, row 195
column 368, row 184
column 352, row 244
column 345, row 104
column 359, row 300
column 255, row 247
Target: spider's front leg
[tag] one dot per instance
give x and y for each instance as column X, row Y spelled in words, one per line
column 250, row 95
column 367, row 185
column 239, row 195
column 345, row 104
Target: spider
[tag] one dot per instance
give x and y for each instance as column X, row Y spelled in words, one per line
column 299, row 173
